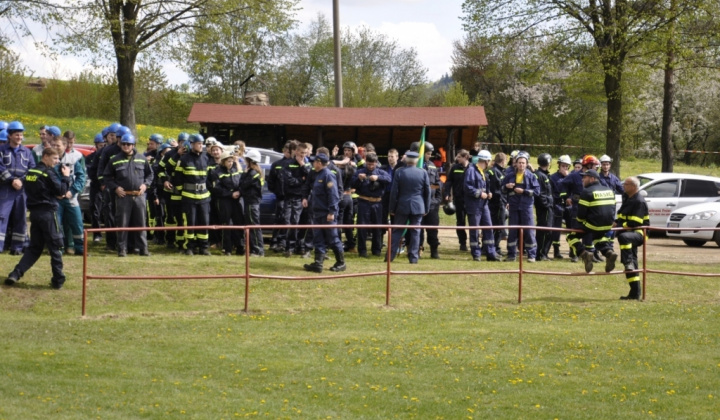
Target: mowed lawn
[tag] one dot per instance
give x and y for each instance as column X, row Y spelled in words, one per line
column 447, row 347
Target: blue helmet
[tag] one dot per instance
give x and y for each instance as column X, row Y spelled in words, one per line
column 113, row 128
column 128, row 138
column 157, row 138
column 183, row 136
column 15, row 126
column 194, row 138
column 122, row 131
column 164, row 146
column 99, row 138
column 3, row 125
column 185, row 144
column 3, row 135
column 105, row 131
column 54, row 130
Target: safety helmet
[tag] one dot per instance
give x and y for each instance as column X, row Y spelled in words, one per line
column 15, row 126
column 514, row 154
column 605, row 158
column 3, row 135
column 113, row 128
column 429, row 147
column 53, row 130
column 157, row 138
column 253, row 155
column 349, row 145
column 164, row 146
column 565, row 159
column 210, row 141
column 523, row 155
column 449, row 208
column 544, row 159
column 225, row 155
column 590, row 161
column 194, row 138
column 105, row 132
column 127, row 138
column 120, row 132
column 3, row 125
column 185, row 144
column 577, row 161
column 183, row 136
column 415, row 146
column 484, row 155
column 99, row 138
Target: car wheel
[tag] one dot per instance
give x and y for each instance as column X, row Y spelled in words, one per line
column 693, row 243
column 716, row 237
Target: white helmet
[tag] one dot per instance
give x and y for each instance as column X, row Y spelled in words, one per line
column 565, row 159
column 605, row 158
column 484, row 155
column 253, row 155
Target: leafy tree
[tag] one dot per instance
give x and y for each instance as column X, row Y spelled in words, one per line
column 124, row 29
column 225, row 49
column 612, row 27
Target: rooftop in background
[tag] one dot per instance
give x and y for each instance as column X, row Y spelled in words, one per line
column 272, row 126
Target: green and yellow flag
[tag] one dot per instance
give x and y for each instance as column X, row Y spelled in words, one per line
column 421, row 149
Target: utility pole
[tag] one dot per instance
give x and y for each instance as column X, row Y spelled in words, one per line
column 338, row 64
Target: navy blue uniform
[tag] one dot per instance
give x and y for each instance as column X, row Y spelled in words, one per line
column 454, row 184
column 409, row 201
column 191, row 179
column 91, row 164
column 43, row 186
column 251, row 184
column 370, row 209
column 325, row 200
column 498, row 202
column 474, row 185
column 544, row 209
column 520, row 209
column 223, row 184
column 595, row 216
column 633, row 214
column 14, row 164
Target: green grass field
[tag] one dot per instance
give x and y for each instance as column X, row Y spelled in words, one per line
column 447, row 346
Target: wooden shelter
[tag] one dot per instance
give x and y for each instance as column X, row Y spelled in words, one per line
column 386, row 128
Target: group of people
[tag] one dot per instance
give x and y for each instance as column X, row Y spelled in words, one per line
column 488, row 197
column 196, row 182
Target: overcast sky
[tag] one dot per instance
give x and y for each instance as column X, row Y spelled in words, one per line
column 429, row 26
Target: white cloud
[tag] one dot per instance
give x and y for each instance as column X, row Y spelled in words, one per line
column 433, row 49
column 41, row 65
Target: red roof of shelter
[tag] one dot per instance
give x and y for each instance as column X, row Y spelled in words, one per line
column 317, row 116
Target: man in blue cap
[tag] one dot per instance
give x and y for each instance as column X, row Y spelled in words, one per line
column 15, row 162
column 409, row 202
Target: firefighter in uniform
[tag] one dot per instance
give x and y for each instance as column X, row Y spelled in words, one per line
column 157, row 196
column 95, row 194
column 544, row 206
column 595, row 217
column 432, row 217
column 559, row 208
column 43, row 186
column 251, row 184
column 325, row 201
column 225, row 188
column 521, row 186
column 191, row 179
column 293, row 176
column 172, row 193
column 369, row 182
column 633, row 214
column 571, row 187
column 114, row 132
column 453, row 190
column 128, row 176
column 498, row 203
column 476, row 206
column 274, row 180
column 15, row 162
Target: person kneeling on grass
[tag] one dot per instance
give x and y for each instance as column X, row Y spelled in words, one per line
column 43, row 187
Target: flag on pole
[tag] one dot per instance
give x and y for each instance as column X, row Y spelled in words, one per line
column 421, row 149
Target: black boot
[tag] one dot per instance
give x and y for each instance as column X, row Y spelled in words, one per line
column 556, row 252
column 573, row 257
column 317, row 266
column 339, row 261
column 610, row 259
column 634, row 291
column 434, row 253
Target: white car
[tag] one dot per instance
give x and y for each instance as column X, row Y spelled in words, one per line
column 705, row 215
column 667, row 192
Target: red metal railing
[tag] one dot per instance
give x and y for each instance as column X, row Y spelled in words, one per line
column 388, row 272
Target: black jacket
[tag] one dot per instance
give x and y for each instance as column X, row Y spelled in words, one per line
column 42, row 186
column 596, row 207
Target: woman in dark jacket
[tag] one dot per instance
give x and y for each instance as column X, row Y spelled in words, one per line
column 251, row 185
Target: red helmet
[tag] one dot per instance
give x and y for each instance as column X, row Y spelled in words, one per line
column 590, row 161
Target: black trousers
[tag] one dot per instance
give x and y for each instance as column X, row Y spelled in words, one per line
column 45, row 230
column 252, row 217
column 545, row 217
column 96, row 203
column 130, row 212
column 461, row 218
column 109, row 217
column 431, row 219
column 196, row 213
column 629, row 242
column 230, row 213
column 291, row 216
column 346, row 216
column 498, row 215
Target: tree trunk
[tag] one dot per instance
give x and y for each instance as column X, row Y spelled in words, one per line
column 613, row 92
column 126, row 86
